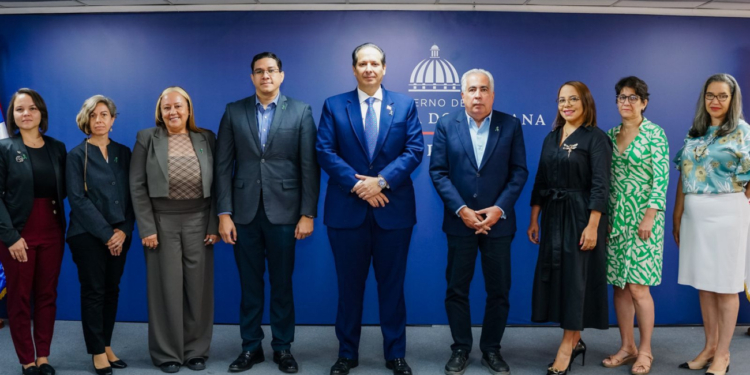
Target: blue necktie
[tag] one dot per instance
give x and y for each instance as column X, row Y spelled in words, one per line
column 371, row 126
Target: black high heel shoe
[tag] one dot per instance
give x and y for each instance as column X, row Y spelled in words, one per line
column 101, row 371
column 579, row 349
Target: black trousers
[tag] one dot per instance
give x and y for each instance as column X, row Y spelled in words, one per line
column 257, row 242
column 99, row 273
column 462, row 255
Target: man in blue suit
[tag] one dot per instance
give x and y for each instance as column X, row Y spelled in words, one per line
column 369, row 142
column 478, row 167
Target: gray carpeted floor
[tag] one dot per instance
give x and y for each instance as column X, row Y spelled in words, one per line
column 527, row 350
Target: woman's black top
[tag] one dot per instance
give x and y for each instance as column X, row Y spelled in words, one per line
column 41, row 167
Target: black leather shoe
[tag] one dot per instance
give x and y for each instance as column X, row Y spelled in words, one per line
column 286, row 362
column 196, row 364
column 399, row 366
column 458, row 363
column 170, row 367
column 118, row 364
column 495, row 363
column 46, row 369
column 343, row 365
column 246, row 360
column 31, row 370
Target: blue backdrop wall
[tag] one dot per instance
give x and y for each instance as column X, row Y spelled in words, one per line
column 133, row 57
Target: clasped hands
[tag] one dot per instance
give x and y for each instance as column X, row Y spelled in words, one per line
column 115, row 242
column 152, row 241
column 474, row 219
column 370, row 191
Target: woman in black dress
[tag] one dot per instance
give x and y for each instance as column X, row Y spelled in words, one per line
column 571, row 190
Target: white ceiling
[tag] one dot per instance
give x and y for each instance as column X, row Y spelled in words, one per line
column 720, row 8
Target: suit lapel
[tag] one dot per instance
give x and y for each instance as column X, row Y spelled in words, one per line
column 491, row 140
column 160, row 146
column 55, row 157
column 201, row 151
column 386, row 119
column 252, row 122
column 354, row 111
column 465, row 137
column 278, row 116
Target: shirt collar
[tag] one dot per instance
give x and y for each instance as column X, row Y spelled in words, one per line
column 487, row 120
column 363, row 96
column 275, row 100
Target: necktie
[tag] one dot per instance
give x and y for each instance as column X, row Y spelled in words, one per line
column 371, row 126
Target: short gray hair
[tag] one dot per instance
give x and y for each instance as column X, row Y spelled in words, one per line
column 702, row 119
column 477, row 71
column 84, row 115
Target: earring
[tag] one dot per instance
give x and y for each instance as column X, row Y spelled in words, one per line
column 110, row 129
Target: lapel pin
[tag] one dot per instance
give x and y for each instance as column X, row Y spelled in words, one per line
column 497, row 128
column 25, row 157
column 201, row 151
column 390, row 110
column 115, row 159
column 283, row 106
column 19, row 159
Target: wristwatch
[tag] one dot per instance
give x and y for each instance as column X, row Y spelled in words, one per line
column 381, row 182
column 309, row 216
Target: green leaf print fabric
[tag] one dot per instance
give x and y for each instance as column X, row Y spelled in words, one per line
column 639, row 181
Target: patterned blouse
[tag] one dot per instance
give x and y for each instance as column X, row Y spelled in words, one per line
column 715, row 165
column 184, row 169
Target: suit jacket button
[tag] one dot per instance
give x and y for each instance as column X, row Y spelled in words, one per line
column 475, row 195
column 54, row 212
column 53, row 202
column 478, row 174
column 262, row 160
column 258, row 181
column 117, row 202
column 113, row 182
column 371, row 167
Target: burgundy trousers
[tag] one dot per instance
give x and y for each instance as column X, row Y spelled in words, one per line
column 35, row 278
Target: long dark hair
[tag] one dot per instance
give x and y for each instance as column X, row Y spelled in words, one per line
column 587, row 101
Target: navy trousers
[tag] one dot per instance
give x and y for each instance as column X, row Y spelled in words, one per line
column 352, row 251
column 462, row 256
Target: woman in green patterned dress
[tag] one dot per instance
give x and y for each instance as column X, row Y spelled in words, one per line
column 640, row 174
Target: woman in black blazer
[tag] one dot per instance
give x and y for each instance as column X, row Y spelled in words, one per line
column 32, row 226
column 101, row 225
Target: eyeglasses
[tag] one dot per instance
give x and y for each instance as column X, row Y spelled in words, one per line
column 572, row 100
column 631, row 98
column 721, row 97
column 261, row 72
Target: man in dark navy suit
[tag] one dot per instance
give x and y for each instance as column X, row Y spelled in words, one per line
column 478, row 167
column 369, row 143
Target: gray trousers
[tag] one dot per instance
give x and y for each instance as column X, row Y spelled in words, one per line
column 180, row 275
